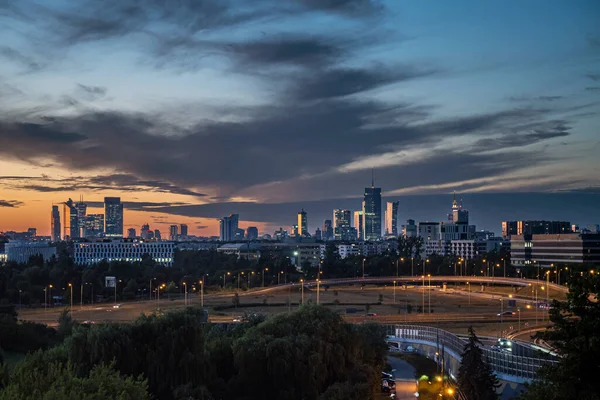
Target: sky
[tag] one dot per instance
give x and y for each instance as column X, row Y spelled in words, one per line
column 193, row 109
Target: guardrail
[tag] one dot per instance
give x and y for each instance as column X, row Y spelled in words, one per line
column 507, row 366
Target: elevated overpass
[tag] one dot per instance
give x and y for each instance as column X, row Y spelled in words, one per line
column 513, row 369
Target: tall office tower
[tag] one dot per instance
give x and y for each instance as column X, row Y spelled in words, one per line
column 183, row 230
column 372, row 212
column 391, row 218
column 458, row 216
column 144, row 231
column 252, row 233
column 302, row 224
column 173, row 230
column 342, row 224
column 228, row 227
column 113, row 217
column 410, row 229
column 93, row 225
column 157, row 235
column 71, row 220
column 55, row 224
column 359, row 224
column 327, row 231
column 81, row 216
column 131, row 233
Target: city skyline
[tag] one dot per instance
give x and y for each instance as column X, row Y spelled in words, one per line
column 290, row 105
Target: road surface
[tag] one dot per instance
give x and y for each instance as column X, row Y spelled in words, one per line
column 404, row 375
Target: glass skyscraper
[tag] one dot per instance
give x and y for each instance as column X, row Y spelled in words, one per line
column 113, row 217
column 372, row 213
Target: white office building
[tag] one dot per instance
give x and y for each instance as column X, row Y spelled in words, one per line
column 20, row 251
column 89, row 253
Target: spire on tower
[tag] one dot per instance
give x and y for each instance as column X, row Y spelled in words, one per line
column 454, row 204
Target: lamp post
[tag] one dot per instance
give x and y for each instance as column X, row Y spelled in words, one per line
column 504, row 261
column 363, row 270
column 20, row 304
column 519, row 311
column 469, row 285
column 429, row 292
column 202, row 294
column 318, row 291
column 423, row 286
column 45, row 300
column 302, row 289
column 71, row 297
column 185, row 294
column 153, row 279
column 501, row 316
column 394, row 292
column 81, row 304
column 50, row 295
column 263, row 276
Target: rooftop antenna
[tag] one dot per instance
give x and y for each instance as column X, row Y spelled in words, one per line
column 372, row 177
column 454, row 205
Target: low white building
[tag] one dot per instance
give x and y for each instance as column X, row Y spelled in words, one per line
column 89, row 253
column 349, row 250
column 20, row 251
column 241, row 250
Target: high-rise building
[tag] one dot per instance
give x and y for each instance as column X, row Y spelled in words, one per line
column 318, row 234
column 302, row 224
column 131, row 234
column 391, row 218
column 157, row 235
column 81, row 216
column 93, row 225
column 183, row 230
column 359, row 224
column 55, row 224
column 113, row 217
column 342, row 225
column 71, row 220
column 458, row 215
column 228, row 227
column 252, row 233
column 144, row 231
column 372, row 212
column 327, row 231
column 173, row 232
column 410, row 229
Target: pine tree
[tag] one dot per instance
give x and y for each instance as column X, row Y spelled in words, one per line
column 476, row 379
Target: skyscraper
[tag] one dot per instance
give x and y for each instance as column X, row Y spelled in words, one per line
column 183, row 230
column 173, row 231
column 113, row 217
column 372, row 212
column 342, row 225
column 458, row 216
column 144, row 231
column 302, row 224
column 81, row 216
column 391, row 218
column 55, row 224
column 131, row 234
column 359, row 224
column 71, row 220
column 93, row 225
column 228, row 227
column 157, row 235
column 327, row 231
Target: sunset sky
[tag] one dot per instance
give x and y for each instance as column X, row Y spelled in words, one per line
column 193, row 109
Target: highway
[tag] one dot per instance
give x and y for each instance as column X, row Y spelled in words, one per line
column 404, row 376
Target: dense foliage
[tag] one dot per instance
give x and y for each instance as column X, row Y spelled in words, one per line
column 575, row 334
column 475, row 376
column 310, row 353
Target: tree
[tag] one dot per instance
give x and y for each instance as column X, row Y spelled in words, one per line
column 575, row 336
column 236, row 300
column 65, row 323
column 476, row 379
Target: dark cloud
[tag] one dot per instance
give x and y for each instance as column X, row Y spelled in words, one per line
column 544, row 131
column 593, row 88
column 594, row 77
column 338, row 82
column 27, row 62
column 91, row 92
column 535, row 98
column 201, row 227
column 10, row 203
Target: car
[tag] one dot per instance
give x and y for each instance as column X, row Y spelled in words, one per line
column 506, row 313
column 88, row 323
column 117, row 305
column 371, row 314
column 388, row 386
column 386, row 375
column 237, row 319
column 496, row 348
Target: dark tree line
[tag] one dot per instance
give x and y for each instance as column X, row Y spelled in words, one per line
column 310, row 353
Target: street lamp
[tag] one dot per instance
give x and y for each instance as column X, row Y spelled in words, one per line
column 263, row 276
column 201, row 294
column 302, row 289
column 412, row 266
column 429, row 292
column 185, row 302
column 81, row 304
column 363, row 275
column 423, row 286
column 153, row 279
column 50, row 295
column 71, row 288
column 318, row 290
column 394, row 292
column 469, row 285
column 158, row 295
column 519, row 311
column 20, row 304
